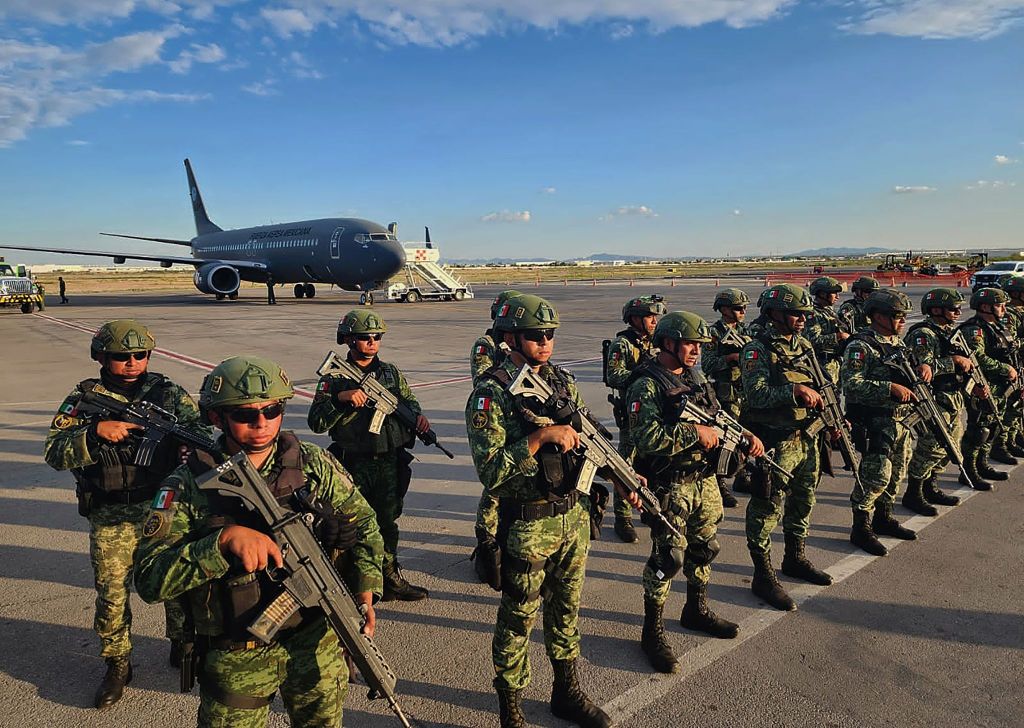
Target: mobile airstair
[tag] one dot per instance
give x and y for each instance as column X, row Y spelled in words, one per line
column 426, row 278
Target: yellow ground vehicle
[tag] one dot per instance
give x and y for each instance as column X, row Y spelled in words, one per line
column 18, row 289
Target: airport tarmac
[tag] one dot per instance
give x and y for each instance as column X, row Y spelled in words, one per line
column 931, row 635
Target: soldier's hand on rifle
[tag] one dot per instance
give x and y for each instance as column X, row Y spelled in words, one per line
column 630, row 497
column 562, row 436
column 337, row 531
column 1011, row 374
column 925, row 372
column 354, row 397
column 114, row 431
column 183, row 453
column 842, row 336
column 900, row 393
column 980, row 392
column 807, row 396
column 756, row 446
column 422, row 424
column 707, row 437
column 962, row 363
column 254, row 549
column 364, row 601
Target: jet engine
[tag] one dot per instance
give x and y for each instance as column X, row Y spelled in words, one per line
column 217, row 278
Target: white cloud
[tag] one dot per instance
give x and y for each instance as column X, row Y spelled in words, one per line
column 1002, row 159
column 622, row 31
column 629, row 211
column 78, row 143
column 288, row 21
column 262, row 88
column 737, row 212
column 548, row 190
column 936, row 18
column 302, row 68
column 75, row 12
column 912, row 189
column 197, row 53
column 507, row 216
column 985, row 184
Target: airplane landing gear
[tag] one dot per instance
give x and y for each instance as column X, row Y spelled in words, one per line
column 310, row 290
column 220, row 296
column 300, row 290
column 233, row 296
column 366, row 299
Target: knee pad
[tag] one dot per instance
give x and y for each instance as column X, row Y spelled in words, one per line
column 667, row 562
column 703, row 553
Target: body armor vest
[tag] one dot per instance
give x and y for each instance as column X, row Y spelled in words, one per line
column 949, row 382
column 783, row 371
column 998, row 343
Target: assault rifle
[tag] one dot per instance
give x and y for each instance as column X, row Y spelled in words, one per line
column 976, row 377
column 156, row 423
column 308, row 578
column 733, row 342
column 381, row 399
column 595, row 442
column 849, row 317
column 927, row 417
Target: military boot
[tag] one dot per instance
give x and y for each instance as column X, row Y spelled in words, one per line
column 1015, row 446
column 741, row 483
column 913, row 498
column 653, row 641
column 396, row 588
column 624, row 529
column 796, row 564
column 697, row 615
column 934, row 495
column 986, row 470
column 863, row 537
column 510, row 712
column 119, row 674
column 765, row 583
column 728, row 499
column 569, row 702
column 885, row 523
column 1000, row 454
column 971, row 466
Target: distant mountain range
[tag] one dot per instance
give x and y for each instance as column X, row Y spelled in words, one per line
column 608, row 257
column 842, row 251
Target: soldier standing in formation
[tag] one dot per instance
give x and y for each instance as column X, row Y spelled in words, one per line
column 214, row 553
column 878, row 400
column 1013, row 286
column 825, row 329
column 530, row 465
column 929, row 341
column 779, row 408
column 113, row 493
column 676, row 458
column 379, row 464
column 721, row 363
column 852, row 310
column 629, row 349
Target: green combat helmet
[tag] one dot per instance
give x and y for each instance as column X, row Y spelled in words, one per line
column 643, row 306
column 360, row 321
column 864, row 283
column 121, row 336
column 1012, row 283
column 682, row 326
column 524, row 312
column 243, row 380
column 730, row 297
column 786, row 297
column 825, row 284
column 941, row 298
column 887, row 301
column 500, row 299
column 992, row 296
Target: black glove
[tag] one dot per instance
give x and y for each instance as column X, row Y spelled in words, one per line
column 337, row 532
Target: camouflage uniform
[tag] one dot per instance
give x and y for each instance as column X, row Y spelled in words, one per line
column 182, row 558
column 823, row 328
column 725, row 374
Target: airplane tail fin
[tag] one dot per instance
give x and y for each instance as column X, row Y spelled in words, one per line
column 426, row 232
column 203, row 224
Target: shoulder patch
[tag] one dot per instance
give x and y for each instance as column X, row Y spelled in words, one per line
column 482, row 404
column 750, row 354
column 63, row 422
column 479, row 420
column 154, row 524
column 164, row 499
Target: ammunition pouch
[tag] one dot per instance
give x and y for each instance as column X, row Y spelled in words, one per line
column 404, row 471
column 191, row 664
column 762, row 482
column 486, row 558
column 515, row 565
column 244, row 598
column 598, row 505
column 702, row 553
column 84, row 496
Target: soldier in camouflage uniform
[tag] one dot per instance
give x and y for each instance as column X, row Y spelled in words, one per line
column 630, row 348
column 929, row 341
column 530, row 465
column 112, row 491
column 878, row 400
column 780, row 400
column 484, row 355
column 1013, row 286
column 213, row 553
column 995, row 348
column 721, row 363
column 379, row 464
column 678, row 458
column 825, row 330
column 853, row 309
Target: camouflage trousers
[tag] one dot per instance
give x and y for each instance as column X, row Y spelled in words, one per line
column 114, row 534
column 884, row 465
column 929, row 456
column 306, row 666
column 377, row 481
column 791, row 500
column 487, row 514
column 561, row 544
column 978, row 435
column 694, row 507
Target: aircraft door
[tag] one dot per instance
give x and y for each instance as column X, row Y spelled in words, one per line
column 336, row 243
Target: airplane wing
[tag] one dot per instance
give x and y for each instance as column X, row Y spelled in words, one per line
column 164, row 260
column 172, row 241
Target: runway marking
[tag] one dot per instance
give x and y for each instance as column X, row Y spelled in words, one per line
column 635, row 699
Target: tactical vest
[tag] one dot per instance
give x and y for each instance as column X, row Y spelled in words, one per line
column 827, row 313
column 354, row 438
column 243, row 597
column 558, row 472
column 633, row 337
column 783, row 371
column 862, row 413
column 998, row 343
column 115, row 469
column 950, row 381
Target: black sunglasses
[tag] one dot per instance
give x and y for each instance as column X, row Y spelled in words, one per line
column 249, row 415
column 368, row 337
column 538, row 335
column 126, row 355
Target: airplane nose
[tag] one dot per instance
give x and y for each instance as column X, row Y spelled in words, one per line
column 390, row 258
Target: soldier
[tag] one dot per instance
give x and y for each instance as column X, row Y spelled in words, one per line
column 778, row 409
column 208, row 550
column 112, row 491
column 485, row 352
column 878, row 400
column 379, row 464
column 825, row 330
column 721, row 363
column 530, row 465
column 630, row 348
column 852, row 310
column 929, row 340
column 1013, row 286
column 677, row 459
column 995, row 349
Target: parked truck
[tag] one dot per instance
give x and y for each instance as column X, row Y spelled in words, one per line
column 18, row 289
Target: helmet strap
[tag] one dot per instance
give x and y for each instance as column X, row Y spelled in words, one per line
column 248, row 449
column 518, row 348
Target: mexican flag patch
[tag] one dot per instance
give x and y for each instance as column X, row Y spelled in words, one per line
column 750, row 354
column 634, row 407
column 324, row 386
column 68, row 409
column 483, row 403
column 858, row 355
column 163, row 499
column 921, row 340
column 481, row 349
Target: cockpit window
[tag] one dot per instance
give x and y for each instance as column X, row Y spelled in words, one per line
column 367, row 237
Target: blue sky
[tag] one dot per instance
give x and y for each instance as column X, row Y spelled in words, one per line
column 529, row 128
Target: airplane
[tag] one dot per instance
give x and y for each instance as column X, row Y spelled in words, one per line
column 353, row 254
